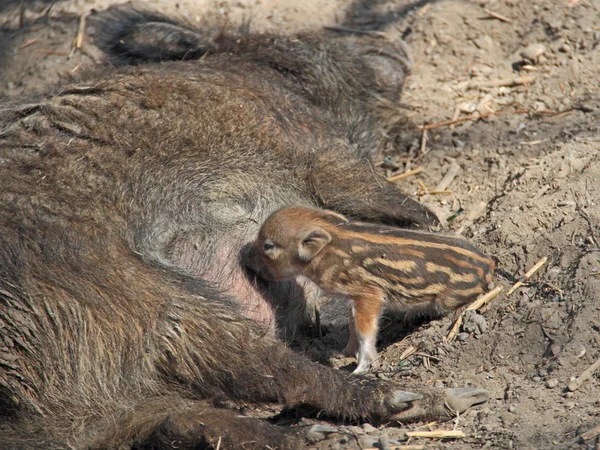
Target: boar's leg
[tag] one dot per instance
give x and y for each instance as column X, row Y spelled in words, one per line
column 351, row 186
column 175, row 422
column 243, row 362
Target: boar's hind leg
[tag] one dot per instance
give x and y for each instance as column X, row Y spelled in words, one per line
column 178, row 423
column 351, row 186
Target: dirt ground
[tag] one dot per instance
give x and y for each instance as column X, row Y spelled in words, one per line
column 528, row 188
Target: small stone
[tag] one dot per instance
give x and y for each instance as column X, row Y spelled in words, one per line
column 533, row 52
column 368, row 428
column 552, row 383
column 10, row 85
column 512, row 409
column 319, row 432
column 368, row 441
column 462, row 336
column 384, row 442
column 555, row 349
column 570, row 405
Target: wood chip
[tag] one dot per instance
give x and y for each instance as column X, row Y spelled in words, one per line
column 406, row 353
column 449, row 177
column 590, row 434
column 408, row 173
column 528, row 275
column 586, row 375
column 438, row 434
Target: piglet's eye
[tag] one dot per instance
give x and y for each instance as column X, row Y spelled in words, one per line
column 268, row 246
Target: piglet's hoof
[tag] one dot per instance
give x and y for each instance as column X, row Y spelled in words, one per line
column 436, row 405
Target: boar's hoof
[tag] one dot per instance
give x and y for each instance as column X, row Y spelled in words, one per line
column 440, row 405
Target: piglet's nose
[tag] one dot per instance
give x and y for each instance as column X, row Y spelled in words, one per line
column 248, row 257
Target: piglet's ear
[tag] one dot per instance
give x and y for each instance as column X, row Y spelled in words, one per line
column 312, row 242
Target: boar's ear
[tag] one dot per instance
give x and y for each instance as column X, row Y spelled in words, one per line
column 312, row 242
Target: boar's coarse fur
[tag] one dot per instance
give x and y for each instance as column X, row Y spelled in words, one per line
column 125, row 201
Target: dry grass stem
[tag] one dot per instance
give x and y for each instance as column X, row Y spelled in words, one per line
column 528, row 275
column 586, row 375
column 408, row 173
column 28, row 43
column 438, row 434
column 408, row 352
column 494, row 15
column 505, row 82
column 22, row 14
column 423, row 148
column 481, row 301
column 400, row 447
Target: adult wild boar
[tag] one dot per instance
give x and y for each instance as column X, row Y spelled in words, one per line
column 125, row 201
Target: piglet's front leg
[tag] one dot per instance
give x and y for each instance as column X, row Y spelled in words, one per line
column 366, row 309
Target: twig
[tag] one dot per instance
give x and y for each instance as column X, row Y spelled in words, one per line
column 473, row 215
column 28, row 43
column 473, row 117
column 354, row 30
column 505, row 82
column 22, row 14
column 438, row 434
column 528, row 275
column 425, row 355
column 484, row 299
column 555, row 115
column 218, row 443
column 79, row 37
column 586, row 375
column 408, row 173
column 400, row 447
column 408, row 352
column 497, row 16
column 589, row 434
column 434, row 192
column 80, row 32
column 449, row 177
column 423, row 148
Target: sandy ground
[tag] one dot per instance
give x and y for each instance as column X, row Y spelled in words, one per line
column 528, row 188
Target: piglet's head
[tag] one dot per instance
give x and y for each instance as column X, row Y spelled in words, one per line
column 287, row 243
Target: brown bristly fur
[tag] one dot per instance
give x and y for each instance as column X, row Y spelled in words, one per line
column 125, row 202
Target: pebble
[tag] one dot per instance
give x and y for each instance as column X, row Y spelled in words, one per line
column 368, row 428
column 552, row 383
column 10, row 85
column 462, row 336
column 475, row 323
column 319, row 432
column 533, row 52
column 512, row 409
column 570, row 405
column 368, row 441
column 384, row 442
